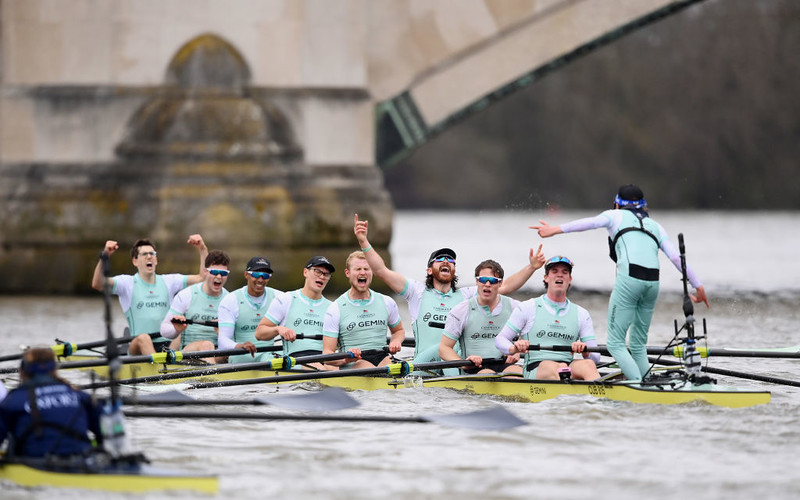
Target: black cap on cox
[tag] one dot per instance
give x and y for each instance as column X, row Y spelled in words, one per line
column 630, row 192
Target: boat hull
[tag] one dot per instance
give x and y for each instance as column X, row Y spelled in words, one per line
column 144, row 479
column 500, row 385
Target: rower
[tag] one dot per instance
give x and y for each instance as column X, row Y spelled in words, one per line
column 359, row 318
column 301, row 311
column 554, row 320
column 44, row 415
column 241, row 311
column 430, row 302
column 199, row 304
column 475, row 322
column 145, row 297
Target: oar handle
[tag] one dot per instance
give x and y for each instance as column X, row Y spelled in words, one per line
column 214, row 324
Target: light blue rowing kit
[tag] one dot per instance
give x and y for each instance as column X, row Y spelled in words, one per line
column 361, row 324
column 428, row 308
column 304, row 316
column 239, row 316
column 635, row 238
column 475, row 326
column 144, row 304
column 194, row 304
column 544, row 322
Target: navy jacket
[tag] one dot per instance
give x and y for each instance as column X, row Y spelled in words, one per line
column 64, row 418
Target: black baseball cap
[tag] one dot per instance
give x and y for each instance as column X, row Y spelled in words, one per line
column 442, row 252
column 320, row 261
column 259, row 263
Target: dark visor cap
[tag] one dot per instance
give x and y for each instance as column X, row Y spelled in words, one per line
column 259, row 264
column 320, row 261
column 442, row 252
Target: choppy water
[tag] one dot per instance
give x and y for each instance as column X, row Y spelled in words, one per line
column 572, row 446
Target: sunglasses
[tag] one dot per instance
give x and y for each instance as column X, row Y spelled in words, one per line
column 145, row 254
column 561, row 259
column 259, row 274
column 488, row 279
column 320, row 273
column 218, row 272
column 445, row 259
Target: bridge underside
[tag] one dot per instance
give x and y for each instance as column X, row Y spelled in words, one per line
column 514, row 58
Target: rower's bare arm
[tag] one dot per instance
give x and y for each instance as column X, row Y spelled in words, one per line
column 330, row 345
column 446, row 349
column 546, row 230
column 98, row 278
column 197, row 241
column 266, row 330
column 395, row 280
column 514, row 282
column 398, row 336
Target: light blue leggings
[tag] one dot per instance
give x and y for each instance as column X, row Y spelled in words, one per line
column 631, row 307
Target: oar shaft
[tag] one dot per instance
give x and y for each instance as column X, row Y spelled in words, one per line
column 380, row 370
column 264, row 416
column 61, row 348
column 731, row 373
column 185, row 355
column 214, row 324
column 273, row 364
column 677, row 351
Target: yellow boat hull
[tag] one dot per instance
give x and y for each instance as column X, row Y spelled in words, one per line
column 499, row 385
column 540, row 390
column 145, row 480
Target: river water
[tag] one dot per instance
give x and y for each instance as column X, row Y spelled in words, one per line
column 572, row 447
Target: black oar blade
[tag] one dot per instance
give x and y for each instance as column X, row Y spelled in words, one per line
column 495, row 418
column 330, row 399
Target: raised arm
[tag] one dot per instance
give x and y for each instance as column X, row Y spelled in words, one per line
column 98, row 281
column 546, row 230
column 515, row 281
column 197, row 241
column 395, row 280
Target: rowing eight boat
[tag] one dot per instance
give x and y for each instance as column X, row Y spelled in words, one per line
column 670, row 388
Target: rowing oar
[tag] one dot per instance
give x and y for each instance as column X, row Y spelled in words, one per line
column 329, row 399
column 168, row 357
column 731, row 373
column 678, row 351
column 279, row 363
column 496, row 418
column 396, row 369
column 63, row 349
column 215, row 324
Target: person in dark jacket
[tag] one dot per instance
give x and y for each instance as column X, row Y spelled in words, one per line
column 45, row 416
